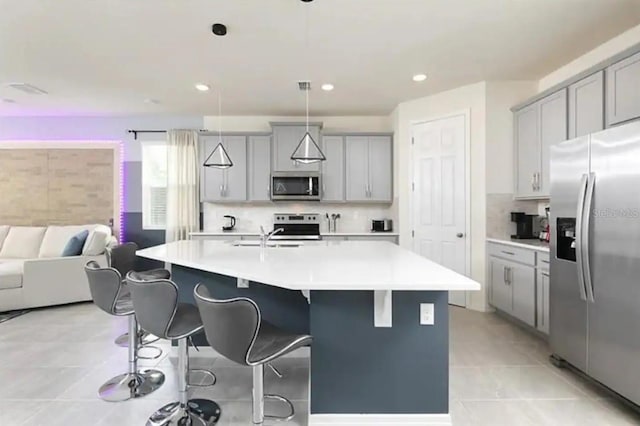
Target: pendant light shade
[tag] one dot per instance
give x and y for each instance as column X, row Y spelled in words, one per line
column 308, row 151
column 218, row 158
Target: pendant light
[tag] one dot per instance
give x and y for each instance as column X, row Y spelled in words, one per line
column 307, row 151
column 219, row 158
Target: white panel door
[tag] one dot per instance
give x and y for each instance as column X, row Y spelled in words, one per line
column 439, row 194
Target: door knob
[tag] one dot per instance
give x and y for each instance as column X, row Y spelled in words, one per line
column 459, row 235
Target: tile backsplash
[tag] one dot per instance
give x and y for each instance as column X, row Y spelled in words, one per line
column 499, row 206
column 353, row 218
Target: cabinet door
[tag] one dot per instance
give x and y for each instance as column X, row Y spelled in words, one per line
column 501, row 292
column 553, row 130
column 523, row 280
column 333, row 168
column 542, row 301
column 527, row 150
column 211, row 179
column 380, row 168
column 586, row 105
column 259, row 160
column 623, row 90
column 357, row 168
column 235, row 185
column 285, row 141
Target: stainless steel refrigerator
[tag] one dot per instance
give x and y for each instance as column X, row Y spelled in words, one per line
column 595, row 256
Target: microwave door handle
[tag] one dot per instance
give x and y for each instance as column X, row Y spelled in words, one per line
column 586, row 236
column 582, row 192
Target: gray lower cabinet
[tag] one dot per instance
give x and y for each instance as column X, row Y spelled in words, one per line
column 623, row 90
column 586, row 105
column 522, row 280
column 369, row 168
column 333, row 169
column 226, row 185
column 542, row 300
column 286, row 138
column 259, row 159
column 501, row 292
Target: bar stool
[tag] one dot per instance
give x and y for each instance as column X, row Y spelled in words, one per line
column 123, row 258
column 157, row 308
column 108, row 293
column 235, row 329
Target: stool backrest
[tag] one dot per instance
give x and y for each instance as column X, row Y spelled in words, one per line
column 154, row 301
column 105, row 285
column 123, row 257
column 231, row 326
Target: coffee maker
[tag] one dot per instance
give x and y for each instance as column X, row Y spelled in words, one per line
column 526, row 226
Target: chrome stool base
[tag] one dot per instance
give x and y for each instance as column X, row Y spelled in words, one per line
column 198, row 412
column 131, row 385
column 145, row 339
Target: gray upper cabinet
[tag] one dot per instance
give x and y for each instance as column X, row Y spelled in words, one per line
column 259, row 160
column 369, row 168
column 357, row 168
column 553, row 130
column 333, row 169
column 586, row 105
column 527, row 150
column 285, row 140
column 623, row 90
column 537, row 127
column 226, row 185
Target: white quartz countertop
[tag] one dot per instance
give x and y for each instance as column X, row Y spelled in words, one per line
column 528, row 244
column 318, row 265
column 324, row 234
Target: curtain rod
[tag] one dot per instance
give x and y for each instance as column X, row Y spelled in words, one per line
column 135, row 132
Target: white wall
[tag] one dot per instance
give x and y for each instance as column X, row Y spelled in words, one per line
column 330, row 124
column 471, row 97
column 606, row 50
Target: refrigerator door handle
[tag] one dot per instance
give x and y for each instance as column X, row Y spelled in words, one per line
column 578, row 235
column 586, row 237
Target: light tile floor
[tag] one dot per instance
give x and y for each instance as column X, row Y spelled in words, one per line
column 53, row 360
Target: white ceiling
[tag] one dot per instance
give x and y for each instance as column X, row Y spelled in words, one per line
column 105, row 57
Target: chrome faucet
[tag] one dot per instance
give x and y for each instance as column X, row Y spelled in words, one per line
column 266, row 236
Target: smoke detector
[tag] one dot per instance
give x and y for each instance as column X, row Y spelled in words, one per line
column 27, row 88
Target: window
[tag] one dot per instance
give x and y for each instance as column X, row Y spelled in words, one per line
column 154, row 185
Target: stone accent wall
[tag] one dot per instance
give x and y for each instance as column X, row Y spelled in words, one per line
column 56, row 186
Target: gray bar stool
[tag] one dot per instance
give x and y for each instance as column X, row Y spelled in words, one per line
column 123, row 258
column 109, row 294
column 159, row 312
column 235, row 329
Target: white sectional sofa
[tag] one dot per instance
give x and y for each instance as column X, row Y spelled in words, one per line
column 33, row 272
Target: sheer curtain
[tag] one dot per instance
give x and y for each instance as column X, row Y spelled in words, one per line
column 183, row 169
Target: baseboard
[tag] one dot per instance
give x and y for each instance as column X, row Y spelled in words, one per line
column 208, row 352
column 380, row 419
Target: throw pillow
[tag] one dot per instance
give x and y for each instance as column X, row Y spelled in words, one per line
column 75, row 244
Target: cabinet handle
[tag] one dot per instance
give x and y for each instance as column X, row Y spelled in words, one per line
column 510, row 253
column 542, row 307
column 533, row 182
column 510, row 275
column 537, row 174
column 504, row 274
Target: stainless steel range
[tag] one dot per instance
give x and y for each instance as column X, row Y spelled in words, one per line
column 304, row 226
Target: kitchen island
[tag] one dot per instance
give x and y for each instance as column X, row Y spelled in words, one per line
column 371, row 360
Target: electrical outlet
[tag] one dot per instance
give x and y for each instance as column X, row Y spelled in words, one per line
column 426, row 314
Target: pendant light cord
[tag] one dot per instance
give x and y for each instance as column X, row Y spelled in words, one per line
column 220, row 115
column 306, row 46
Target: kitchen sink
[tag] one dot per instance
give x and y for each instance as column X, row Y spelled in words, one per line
column 270, row 244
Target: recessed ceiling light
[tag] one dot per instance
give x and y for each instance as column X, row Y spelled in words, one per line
column 419, row 77
column 202, row 87
column 8, row 101
column 151, row 101
column 327, row 87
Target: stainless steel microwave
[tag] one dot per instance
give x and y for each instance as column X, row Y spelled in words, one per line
column 295, row 186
